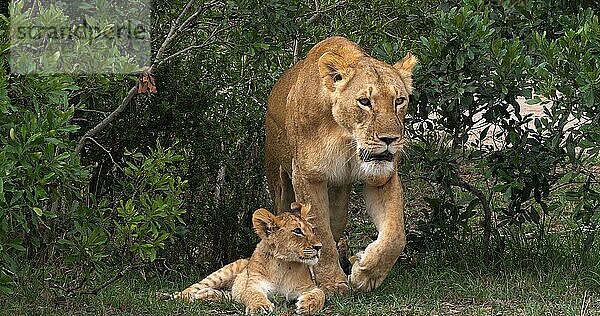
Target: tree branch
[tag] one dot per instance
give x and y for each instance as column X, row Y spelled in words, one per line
column 75, row 290
column 208, row 41
column 174, row 31
column 487, row 212
column 100, row 126
column 316, row 14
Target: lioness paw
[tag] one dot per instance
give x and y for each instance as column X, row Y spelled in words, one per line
column 310, row 302
column 364, row 279
column 336, row 288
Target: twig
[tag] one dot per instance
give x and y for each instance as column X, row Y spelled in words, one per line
column 173, row 32
column 176, row 28
column 110, row 281
column 92, row 111
column 108, row 152
column 296, row 48
column 92, row 132
column 317, row 13
column 320, row 11
column 208, row 41
column 487, row 212
column 584, row 304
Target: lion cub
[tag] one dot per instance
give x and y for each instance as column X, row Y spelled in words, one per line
column 281, row 263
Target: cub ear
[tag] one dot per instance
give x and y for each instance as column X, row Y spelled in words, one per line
column 305, row 211
column 331, row 66
column 264, row 223
column 405, row 67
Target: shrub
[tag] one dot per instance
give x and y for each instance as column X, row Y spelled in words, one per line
column 468, row 126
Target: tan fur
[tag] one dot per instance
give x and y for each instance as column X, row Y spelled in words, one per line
column 320, row 139
column 280, row 264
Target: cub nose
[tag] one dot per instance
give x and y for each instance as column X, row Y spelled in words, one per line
column 388, row 140
column 317, row 247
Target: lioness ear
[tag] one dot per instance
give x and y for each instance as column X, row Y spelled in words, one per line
column 264, row 223
column 295, row 208
column 302, row 210
column 405, row 67
column 330, row 68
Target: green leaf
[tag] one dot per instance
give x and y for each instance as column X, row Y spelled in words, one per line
column 17, row 246
column 588, row 98
column 534, row 101
column 6, row 289
column 566, row 178
column 38, row 211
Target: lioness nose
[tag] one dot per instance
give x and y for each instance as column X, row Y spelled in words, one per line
column 388, row 140
column 317, row 247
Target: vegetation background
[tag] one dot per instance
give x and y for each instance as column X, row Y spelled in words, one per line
column 111, row 191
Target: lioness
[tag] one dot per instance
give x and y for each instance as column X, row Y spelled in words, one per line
column 334, row 118
column 281, row 263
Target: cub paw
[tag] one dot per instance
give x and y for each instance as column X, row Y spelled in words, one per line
column 310, row 302
column 260, row 308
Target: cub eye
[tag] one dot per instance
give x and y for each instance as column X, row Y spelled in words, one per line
column 337, row 77
column 298, row 231
column 399, row 101
column 364, row 102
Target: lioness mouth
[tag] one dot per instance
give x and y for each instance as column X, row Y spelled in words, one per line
column 367, row 156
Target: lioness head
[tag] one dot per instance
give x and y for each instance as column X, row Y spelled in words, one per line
column 290, row 234
column 369, row 100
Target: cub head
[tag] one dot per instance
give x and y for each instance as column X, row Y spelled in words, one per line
column 290, row 235
column 369, row 100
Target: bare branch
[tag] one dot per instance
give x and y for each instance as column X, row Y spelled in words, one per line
column 487, row 212
column 296, row 48
column 108, row 152
column 75, row 290
column 107, row 120
column 174, row 31
column 207, row 42
column 316, row 14
column 319, row 11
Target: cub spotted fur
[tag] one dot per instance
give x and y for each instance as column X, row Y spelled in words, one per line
column 334, row 118
column 281, row 263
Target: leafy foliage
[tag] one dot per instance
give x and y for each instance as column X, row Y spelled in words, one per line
column 472, row 74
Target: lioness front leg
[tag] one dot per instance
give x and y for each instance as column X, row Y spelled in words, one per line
column 330, row 276
column 385, row 206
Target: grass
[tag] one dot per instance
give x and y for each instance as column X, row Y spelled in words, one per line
column 435, row 284
column 556, row 279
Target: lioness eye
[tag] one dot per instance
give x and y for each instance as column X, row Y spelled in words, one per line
column 400, row 101
column 364, row 102
column 298, row 231
column 337, row 77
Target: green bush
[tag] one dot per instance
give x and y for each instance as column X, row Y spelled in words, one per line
column 40, row 176
column 472, row 71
